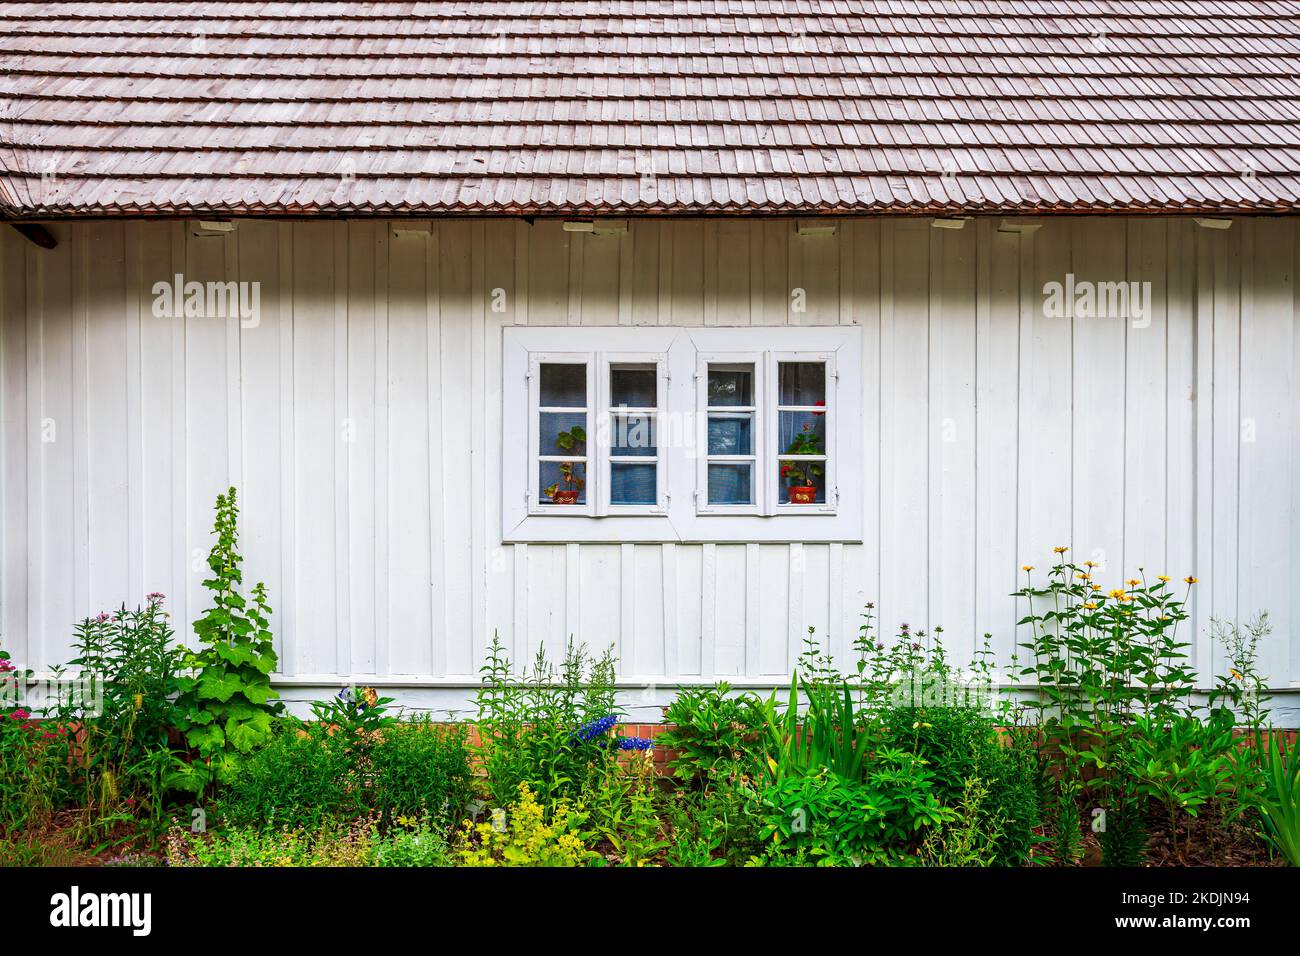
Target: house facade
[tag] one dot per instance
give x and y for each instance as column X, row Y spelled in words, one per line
column 805, row 378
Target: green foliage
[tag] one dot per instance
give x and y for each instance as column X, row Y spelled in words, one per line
column 418, row 843
column 1100, row 660
column 569, row 442
column 522, row 835
column 226, row 707
column 419, row 770
column 129, row 668
column 715, row 826
column 836, row 820
column 33, row 761
column 974, row 836
column 549, row 727
column 328, row 844
column 713, row 732
column 621, row 807
column 311, row 774
column 802, row 471
column 826, row 735
column 303, row 777
column 1278, row 799
column 962, row 744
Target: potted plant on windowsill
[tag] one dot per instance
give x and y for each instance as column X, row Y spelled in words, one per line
column 568, row 441
column 799, row 475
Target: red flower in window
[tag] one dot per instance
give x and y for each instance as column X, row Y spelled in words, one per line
column 820, row 404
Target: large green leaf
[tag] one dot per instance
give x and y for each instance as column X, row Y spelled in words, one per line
column 250, row 733
column 219, row 685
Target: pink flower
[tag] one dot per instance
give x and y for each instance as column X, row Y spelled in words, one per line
column 101, row 617
column 19, row 714
column 6, row 666
column 155, row 597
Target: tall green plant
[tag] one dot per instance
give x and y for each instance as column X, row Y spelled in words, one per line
column 1278, row 801
column 227, row 704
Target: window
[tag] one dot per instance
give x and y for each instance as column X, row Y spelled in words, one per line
column 650, row 434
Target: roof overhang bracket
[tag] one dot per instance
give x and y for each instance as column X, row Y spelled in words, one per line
column 36, row 233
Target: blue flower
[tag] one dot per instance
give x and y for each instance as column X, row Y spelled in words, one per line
column 635, row 743
column 596, row 728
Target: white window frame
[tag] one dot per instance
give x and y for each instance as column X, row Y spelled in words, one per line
column 758, row 435
column 535, row 503
column 604, row 440
column 681, row 513
column 831, row 451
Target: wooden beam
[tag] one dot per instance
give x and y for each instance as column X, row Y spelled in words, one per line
column 36, row 233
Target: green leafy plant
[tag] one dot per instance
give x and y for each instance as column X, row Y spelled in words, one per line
column 415, row 843
column 570, row 442
column 33, row 761
column 713, row 732
column 621, row 807
column 328, row 844
column 226, row 707
column 522, row 836
column 972, row 838
column 128, row 673
column 803, row 471
column 549, row 727
column 419, row 770
column 1278, row 799
column 1099, row 659
column 826, row 735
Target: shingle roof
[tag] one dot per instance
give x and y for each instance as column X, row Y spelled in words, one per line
column 523, row 107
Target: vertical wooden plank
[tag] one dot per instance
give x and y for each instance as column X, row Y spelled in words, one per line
column 135, row 508
column 382, row 452
column 315, row 607
column 1267, row 470
column 954, row 555
column 905, row 414
column 752, row 661
column 517, row 641
column 736, row 270
column 671, row 624
column 626, row 651
column 360, row 427
column 645, row 271
column 19, row 437
column 708, row 609
column 341, row 435
column 1202, row 604
column 573, row 593
column 79, row 432
column 1097, row 426
column 411, row 432
column 500, row 275
column 686, row 298
column 107, row 417
column 997, row 465
column 1146, row 387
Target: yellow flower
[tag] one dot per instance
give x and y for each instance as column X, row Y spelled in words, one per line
column 1084, row 575
column 1133, row 582
column 1090, row 564
column 1061, row 550
column 1189, row 579
column 1163, row 579
column 1027, row 567
column 1236, row 673
column 1096, row 587
column 1119, row 594
column 1090, row 605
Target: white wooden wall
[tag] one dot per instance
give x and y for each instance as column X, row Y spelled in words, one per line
column 361, row 421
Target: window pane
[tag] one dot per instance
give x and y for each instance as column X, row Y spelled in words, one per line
column 802, row 433
column 634, row 386
column 633, row 435
column 631, row 484
column 563, row 482
column 557, row 430
column 731, row 385
column 563, row 385
column 731, row 484
column 731, row 434
column 803, row 383
column 796, row 477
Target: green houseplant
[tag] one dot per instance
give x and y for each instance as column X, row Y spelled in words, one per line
column 568, row 441
column 800, row 475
